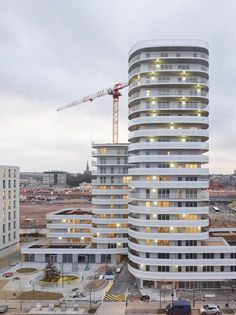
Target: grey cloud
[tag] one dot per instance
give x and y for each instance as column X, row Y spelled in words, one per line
column 53, row 52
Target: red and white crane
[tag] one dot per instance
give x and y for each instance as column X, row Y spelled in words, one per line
column 115, row 92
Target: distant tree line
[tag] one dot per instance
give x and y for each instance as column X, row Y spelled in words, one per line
column 75, row 180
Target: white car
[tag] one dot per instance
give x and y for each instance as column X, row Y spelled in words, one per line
column 210, row 309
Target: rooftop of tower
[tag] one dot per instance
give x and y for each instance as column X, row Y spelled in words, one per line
column 169, row 43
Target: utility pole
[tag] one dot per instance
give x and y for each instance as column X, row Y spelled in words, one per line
column 160, row 294
column 62, row 275
column 193, row 297
column 90, row 297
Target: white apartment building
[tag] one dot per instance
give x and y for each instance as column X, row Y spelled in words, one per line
column 54, row 178
column 9, row 209
column 110, row 201
column 168, row 205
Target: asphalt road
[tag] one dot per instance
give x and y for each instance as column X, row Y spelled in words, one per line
column 123, row 281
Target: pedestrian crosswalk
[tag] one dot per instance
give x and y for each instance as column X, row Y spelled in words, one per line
column 114, row 297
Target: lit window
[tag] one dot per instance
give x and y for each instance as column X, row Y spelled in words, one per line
column 103, row 150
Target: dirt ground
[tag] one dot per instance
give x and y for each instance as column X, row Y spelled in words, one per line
column 96, row 284
column 37, row 212
column 103, row 268
column 3, row 283
column 35, row 295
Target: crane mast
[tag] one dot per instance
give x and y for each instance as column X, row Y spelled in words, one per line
column 115, row 92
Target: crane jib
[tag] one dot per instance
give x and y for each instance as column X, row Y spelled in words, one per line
column 115, row 93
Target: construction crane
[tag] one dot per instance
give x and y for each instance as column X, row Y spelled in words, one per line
column 115, row 92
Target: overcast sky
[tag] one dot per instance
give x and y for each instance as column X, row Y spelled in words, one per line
column 52, row 52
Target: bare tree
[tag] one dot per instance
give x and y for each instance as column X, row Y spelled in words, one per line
column 51, row 272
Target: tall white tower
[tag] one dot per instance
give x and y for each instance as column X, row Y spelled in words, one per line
column 168, row 124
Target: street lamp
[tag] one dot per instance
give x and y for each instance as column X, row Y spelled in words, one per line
column 126, row 297
column 172, row 297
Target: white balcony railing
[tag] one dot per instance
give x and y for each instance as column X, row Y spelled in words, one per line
column 168, row 158
column 168, row 145
column 168, row 133
column 169, row 106
column 174, row 119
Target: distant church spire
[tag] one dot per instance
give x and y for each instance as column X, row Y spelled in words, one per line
column 87, row 167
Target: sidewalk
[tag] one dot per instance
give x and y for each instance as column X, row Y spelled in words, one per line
column 108, row 308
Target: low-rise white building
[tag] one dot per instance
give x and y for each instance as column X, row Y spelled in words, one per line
column 99, row 235
column 68, row 238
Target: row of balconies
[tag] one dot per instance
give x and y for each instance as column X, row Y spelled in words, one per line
column 104, row 210
column 173, row 119
column 105, row 240
column 172, row 80
column 68, row 225
column 168, row 133
column 169, row 145
column 167, row 210
column 167, row 223
column 104, row 230
column 96, row 153
column 105, row 201
column 168, row 106
column 179, row 262
column 176, row 197
column 161, row 88
column 168, row 171
column 110, row 220
column 202, row 234
column 109, row 181
column 216, row 249
column 153, row 69
column 172, row 93
column 108, row 163
column 201, row 184
column 81, row 217
column 169, row 158
column 159, row 56
column 110, row 192
column 66, row 234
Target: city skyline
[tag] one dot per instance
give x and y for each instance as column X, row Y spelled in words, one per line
column 48, row 60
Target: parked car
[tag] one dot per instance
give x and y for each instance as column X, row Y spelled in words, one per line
column 145, row 298
column 3, row 308
column 7, row 274
column 179, row 308
column 109, row 275
column 210, row 309
column 87, row 268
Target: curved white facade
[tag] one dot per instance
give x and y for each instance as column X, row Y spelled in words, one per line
column 168, row 124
